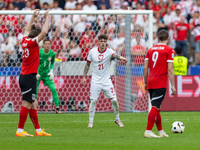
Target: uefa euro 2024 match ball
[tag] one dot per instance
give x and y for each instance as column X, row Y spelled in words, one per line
column 177, row 127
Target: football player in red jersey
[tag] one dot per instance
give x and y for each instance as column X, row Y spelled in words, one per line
column 27, row 81
column 159, row 62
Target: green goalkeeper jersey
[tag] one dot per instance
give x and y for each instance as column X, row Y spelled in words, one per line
column 46, row 62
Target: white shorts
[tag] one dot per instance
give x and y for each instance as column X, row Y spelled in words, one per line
column 108, row 89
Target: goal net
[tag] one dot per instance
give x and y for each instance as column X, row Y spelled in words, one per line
column 72, row 35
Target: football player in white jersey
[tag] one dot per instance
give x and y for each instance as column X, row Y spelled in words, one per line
column 101, row 59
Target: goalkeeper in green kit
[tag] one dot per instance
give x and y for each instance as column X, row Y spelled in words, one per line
column 45, row 71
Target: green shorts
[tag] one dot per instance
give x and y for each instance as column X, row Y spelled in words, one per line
column 45, row 80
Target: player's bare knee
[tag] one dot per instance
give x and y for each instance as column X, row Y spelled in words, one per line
column 27, row 104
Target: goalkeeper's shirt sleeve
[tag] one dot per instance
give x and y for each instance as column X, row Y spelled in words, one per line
column 52, row 61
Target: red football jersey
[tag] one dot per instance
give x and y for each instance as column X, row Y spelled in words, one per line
column 158, row 56
column 30, row 55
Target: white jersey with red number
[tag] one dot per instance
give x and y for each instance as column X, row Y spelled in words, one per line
column 196, row 33
column 100, row 64
column 30, row 55
column 158, row 56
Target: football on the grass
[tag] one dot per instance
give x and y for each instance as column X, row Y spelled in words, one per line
column 177, row 127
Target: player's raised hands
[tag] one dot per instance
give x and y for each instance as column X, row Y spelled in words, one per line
column 173, row 90
column 36, row 13
column 84, row 81
column 46, row 13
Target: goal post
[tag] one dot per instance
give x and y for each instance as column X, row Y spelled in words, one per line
column 127, row 79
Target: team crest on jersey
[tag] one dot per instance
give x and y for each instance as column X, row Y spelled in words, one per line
column 33, row 96
column 100, row 57
column 49, row 59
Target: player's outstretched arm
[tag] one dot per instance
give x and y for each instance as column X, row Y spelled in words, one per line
column 145, row 72
column 28, row 27
column 87, row 67
column 171, row 76
column 118, row 57
column 45, row 27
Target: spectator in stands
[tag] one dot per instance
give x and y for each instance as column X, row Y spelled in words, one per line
column 195, row 20
column 140, row 19
column 79, row 23
column 86, row 42
column 65, row 40
column 186, row 8
column 180, row 62
column 105, row 4
column 172, row 5
column 160, row 22
column 74, row 52
column 182, row 35
column 155, row 38
column 115, row 4
column 20, row 4
column 27, row 8
column 70, row 5
column 8, row 52
column 196, row 34
column 196, row 7
column 118, row 42
column 177, row 17
column 76, row 36
column 138, row 52
column 59, row 56
column 11, row 37
column 168, row 17
column 49, row 2
column 45, row 6
column 137, row 33
column 64, row 23
column 90, row 7
column 56, row 8
column 56, row 42
column 10, row 6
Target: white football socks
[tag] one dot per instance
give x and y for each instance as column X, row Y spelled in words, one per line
column 20, row 130
column 92, row 109
column 115, row 108
column 39, row 130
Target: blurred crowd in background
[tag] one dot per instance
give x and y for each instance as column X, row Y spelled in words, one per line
column 72, row 36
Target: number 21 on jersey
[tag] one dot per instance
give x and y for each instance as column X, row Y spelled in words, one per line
column 100, row 66
column 154, row 58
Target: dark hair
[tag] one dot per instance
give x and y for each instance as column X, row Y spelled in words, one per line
column 46, row 40
column 35, row 31
column 163, row 35
column 178, row 50
column 77, row 4
column 103, row 36
column 56, row 1
column 139, row 3
column 45, row 3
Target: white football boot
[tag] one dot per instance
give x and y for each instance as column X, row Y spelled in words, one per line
column 119, row 123
column 90, row 125
column 150, row 134
column 162, row 134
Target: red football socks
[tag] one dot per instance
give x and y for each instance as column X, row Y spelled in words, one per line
column 158, row 121
column 152, row 118
column 34, row 118
column 22, row 117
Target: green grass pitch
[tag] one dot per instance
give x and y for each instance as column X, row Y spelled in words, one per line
column 69, row 132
